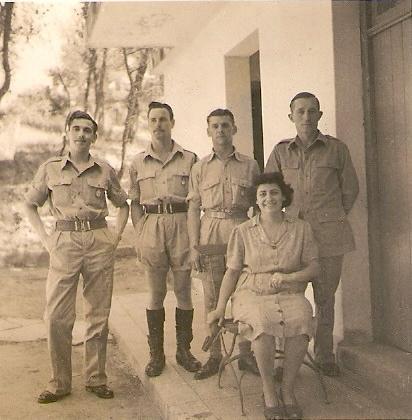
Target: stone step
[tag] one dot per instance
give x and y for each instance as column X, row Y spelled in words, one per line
column 383, row 369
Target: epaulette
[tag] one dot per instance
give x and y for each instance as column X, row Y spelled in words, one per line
column 189, row 151
column 244, row 157
column 285, row 141
column 102, row 162
column 332, row 138
column 54, row 159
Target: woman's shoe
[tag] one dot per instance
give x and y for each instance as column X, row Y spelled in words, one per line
column 274, row 413
column 292, row 411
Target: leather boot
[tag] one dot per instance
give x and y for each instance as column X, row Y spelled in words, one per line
column 247, row 359
column 155, row 322
column 184, row 337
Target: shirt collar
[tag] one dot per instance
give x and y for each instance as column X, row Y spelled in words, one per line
column 256, row 219
column 321, row 137
column 235, row 154
column 176, row 148
column 66, row 158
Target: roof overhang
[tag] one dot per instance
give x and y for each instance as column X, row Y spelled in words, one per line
column 147, row 24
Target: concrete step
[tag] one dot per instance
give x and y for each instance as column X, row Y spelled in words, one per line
column 179, row 396
column 383, row 369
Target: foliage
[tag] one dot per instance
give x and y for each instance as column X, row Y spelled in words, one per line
column 17, row 22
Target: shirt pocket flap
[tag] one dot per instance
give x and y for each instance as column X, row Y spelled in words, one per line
column 209, row 183
column 331, row 215
column 98, row 183
column 64, row 180
column 326, row 163
column 146, row 175
column 242, row 182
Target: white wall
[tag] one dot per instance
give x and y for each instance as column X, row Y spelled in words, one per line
column 296, row 43
column 296, row 54
column 356, row 293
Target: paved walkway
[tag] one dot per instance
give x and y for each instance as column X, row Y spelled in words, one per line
column 179, row 396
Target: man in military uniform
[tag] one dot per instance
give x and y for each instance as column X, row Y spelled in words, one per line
column 159, row 179
column 76, row 186
column 320, row 170
column 221, row 184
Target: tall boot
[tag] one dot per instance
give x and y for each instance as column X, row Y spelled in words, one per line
column 155, row 322
column 247, row 359
column 184, row 337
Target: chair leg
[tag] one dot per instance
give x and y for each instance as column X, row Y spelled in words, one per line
column 228, row 359
column 319, row 374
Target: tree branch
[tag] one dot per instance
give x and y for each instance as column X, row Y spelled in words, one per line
column 5, row 52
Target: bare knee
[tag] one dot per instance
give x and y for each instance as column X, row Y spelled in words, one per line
column 182, row 287
column 157, row 288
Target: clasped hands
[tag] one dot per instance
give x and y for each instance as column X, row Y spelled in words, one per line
column 280, row 280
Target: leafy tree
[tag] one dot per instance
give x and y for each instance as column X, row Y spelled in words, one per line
column 6, row 16
column 135, row 62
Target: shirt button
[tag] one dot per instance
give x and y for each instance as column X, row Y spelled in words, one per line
column 280, row 310
column 282, row 323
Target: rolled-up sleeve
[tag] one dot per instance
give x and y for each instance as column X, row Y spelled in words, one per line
column 115, row 192
column 235, row 250
column 134, row 190
column 309, row 247
column 193, row 195
column 38, row 191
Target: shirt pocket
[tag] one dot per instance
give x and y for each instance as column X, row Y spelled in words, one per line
column 96, row 192
column 325, row 176
column 211, row 192
column 147, row 186
column 241, row 192
column 331, row 224
column 178, row 184
column 331, row 215
column 290, row 171
column 61, row 191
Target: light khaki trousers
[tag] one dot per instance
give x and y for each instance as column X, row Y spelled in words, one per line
column 71, row 254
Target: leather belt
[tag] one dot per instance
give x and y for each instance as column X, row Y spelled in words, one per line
column 80, row 225
column 165, row 208
column 226, row 213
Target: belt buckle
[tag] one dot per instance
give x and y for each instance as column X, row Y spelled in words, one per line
column 227, row 212
column 82, row 225
column 167, row 208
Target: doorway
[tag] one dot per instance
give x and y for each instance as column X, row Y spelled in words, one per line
column 388, row 33
column 243, row 96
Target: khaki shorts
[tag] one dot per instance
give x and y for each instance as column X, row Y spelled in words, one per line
column 163, row 242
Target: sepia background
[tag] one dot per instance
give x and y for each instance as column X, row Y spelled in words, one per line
column 113, row 58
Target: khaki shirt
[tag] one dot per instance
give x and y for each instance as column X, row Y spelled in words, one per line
column 218, row 185
column 325, row 188
column 153, row 181
column 76, row 195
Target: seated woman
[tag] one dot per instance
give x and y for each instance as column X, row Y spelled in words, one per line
column 270, row 260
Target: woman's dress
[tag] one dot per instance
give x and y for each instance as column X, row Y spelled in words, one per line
column 257, row 306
